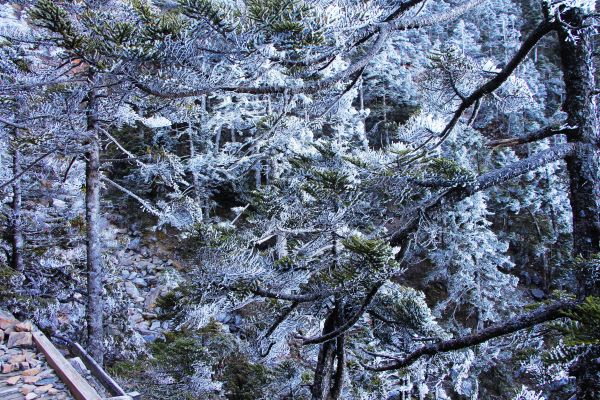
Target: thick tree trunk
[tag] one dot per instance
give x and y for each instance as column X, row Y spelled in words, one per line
column 95, row 299
column 583, row 166
column 16, row 226
column 580, row 107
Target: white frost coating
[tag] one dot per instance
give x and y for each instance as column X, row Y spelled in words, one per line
column 9, row 22
column 201, row 315
column 526, row 394
column 127, row 115
column 587, row 5
column 156, row 122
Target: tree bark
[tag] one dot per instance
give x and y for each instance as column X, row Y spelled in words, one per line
column 338, row 378
column 16, row 226
column 322, row 382
column 584, row 175
column 583, row 167
column 95, row 299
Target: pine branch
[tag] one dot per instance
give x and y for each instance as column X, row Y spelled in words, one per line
column 13, row 124
column 382, row 30
column 490, row 86
column 527, row 320
column 297, row 298
column 485, row 181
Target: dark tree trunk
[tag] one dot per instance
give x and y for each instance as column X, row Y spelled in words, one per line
column 329, row 374
column 338, row 379
column 16, row 227
column 322, row 381
column 579, row 105
column 584, row 174
column 94, row 252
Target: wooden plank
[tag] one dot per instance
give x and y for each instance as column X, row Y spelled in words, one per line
column 97, row 371
column 79, row 387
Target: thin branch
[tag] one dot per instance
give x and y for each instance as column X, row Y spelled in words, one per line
column 533, row 136
column 26, row 169
column 13, row 124
column 490, row 86
column 485, row 181
column 147, row 206
column 299, row 298
column 348, row 324
column 527, row 320
column 122, row 148
column 282, row 317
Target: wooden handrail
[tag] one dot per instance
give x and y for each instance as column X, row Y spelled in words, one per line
column 77, row 385
column 98, row 372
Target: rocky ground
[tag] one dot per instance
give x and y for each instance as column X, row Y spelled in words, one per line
column 144, row 271
column 24, row 373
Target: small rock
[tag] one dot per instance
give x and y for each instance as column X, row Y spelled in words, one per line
column 538, row 294
column 52, row 391
column 8, row 368
column 140, row 282
column 19, row 339
column 31, row 379
column 24, row 365
column 7, row 320
column 27, row 389
column 46, row 373
column 7, row 324
column 144, row 325
column 1, row 336
column 131, row 290
column 46, row 381
column 31, row 396
column 13, row 380
column 135, row 318
column 60, row 204
column 43, row 389
column 34, row 363
column 24, row 327
column 31, row 372
column 155, row 326
column 125, row 273
column 148, row 315
column 17, row 359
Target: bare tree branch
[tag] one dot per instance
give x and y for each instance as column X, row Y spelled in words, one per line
column 533, row 136
column 13, row 124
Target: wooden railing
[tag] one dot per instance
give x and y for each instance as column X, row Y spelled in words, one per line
column 77, row 385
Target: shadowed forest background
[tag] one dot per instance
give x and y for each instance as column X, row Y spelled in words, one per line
column 307, row 199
